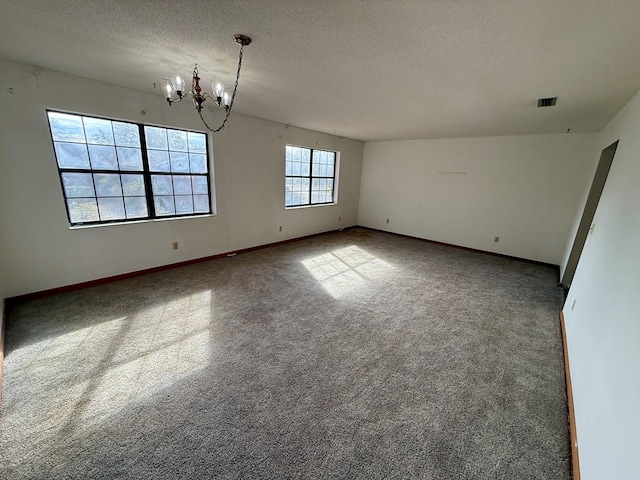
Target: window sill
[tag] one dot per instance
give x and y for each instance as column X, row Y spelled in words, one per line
column 311, row 206
column 137, row 222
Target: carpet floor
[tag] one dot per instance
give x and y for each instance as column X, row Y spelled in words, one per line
column 350, row 355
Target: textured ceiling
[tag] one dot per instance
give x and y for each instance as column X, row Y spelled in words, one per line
column 364, row 69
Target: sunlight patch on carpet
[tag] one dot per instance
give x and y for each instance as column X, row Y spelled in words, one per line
column 95, row 372
column 342, row 272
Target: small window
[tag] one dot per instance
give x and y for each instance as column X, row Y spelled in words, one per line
column 310, row 176
column 113, row 171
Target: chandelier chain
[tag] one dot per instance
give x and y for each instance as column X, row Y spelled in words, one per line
column 233, row 96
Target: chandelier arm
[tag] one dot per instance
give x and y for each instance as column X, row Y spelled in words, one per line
column 207, row 125
column 233, row 96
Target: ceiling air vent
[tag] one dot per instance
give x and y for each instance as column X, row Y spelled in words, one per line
column 547, row 102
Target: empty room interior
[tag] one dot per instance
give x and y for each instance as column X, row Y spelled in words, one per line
column 300, row 239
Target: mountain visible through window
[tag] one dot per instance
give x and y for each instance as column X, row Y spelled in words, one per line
column 115, row 171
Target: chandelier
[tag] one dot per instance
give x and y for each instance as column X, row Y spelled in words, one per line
column 174, row 89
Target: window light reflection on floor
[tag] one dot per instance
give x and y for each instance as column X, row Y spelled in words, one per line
column 116, row 363
column 343, row 271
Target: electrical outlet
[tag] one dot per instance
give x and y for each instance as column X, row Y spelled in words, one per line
column 175, row 245
column 496, row 239
column 387, row 220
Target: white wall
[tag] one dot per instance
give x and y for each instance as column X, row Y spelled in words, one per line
column 249, row 178
column 523, row 189
column 603, row 328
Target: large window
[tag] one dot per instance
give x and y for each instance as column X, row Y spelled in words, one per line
column 113, row 171
column 310, row 176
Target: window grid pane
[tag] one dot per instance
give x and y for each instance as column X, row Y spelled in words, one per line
column 71, row 155
column 83, row 210
column 309, row 176
column 111, row 208
column 106, row 165
column 136, row 207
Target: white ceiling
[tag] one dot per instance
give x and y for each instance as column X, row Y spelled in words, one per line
column 363, row 69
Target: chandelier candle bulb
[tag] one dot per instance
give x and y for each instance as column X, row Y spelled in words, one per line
column 179, row 85
column 218, row 91
column 167, row 86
